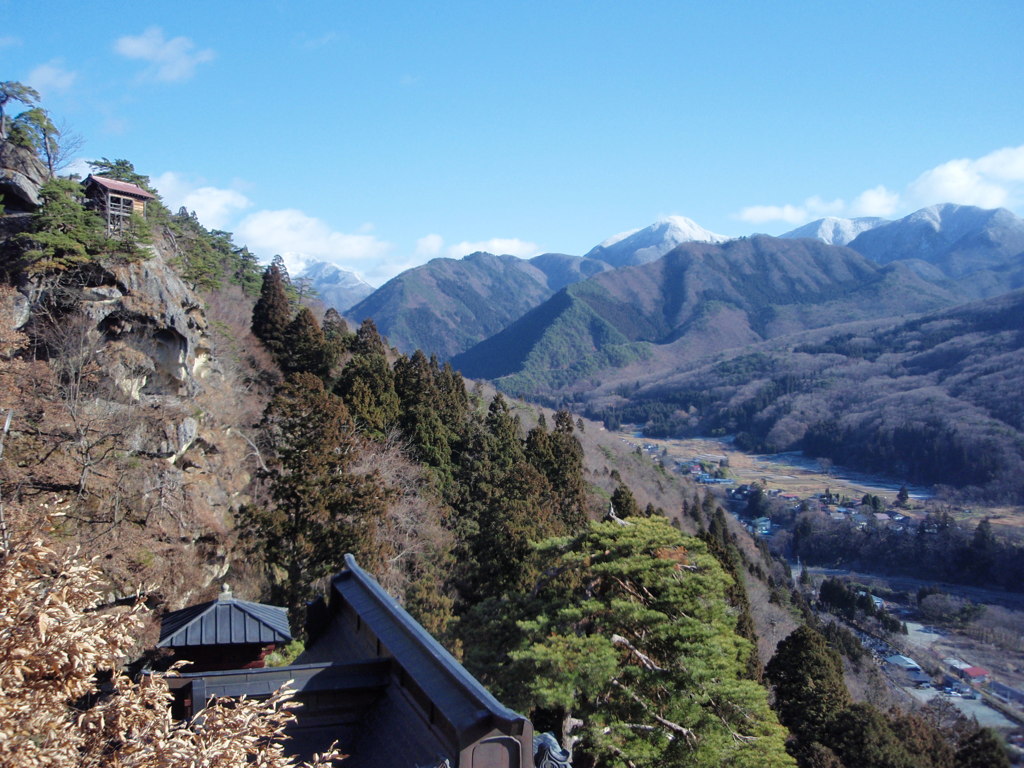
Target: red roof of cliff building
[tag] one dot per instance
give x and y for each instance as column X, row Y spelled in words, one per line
column 122, row 186
column 976, row 672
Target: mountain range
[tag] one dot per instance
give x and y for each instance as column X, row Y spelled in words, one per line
column 933, row 399
column 685, row 331
column 447, row 306
column 696, row 300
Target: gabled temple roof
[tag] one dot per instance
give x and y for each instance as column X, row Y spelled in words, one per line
column 122, row 187
column 453, row 691
column 225, row 621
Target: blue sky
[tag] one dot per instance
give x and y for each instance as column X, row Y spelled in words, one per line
column 378, row 135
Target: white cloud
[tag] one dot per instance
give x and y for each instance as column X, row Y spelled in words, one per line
column 429, row 246
column 301, row 239
column 991, row 181
column 312, row 43
column 173, row 60
column 9, row 41
column 813, row 207
column 759, row 214
column 1005, row 164
column 497, row 245
column 51, row 77
column 877, row 201
column 215, row 207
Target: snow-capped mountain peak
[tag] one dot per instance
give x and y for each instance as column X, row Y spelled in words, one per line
column 338, row 288
column 834, row 230
column 639, row 246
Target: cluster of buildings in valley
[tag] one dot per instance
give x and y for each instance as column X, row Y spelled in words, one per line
column 840, row 510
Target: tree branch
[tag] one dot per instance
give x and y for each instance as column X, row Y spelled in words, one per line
column 686, row 733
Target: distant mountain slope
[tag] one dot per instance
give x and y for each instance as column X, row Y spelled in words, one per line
column 835, row 231
column 735, row 293
column 448, row 305
column 640, row 246
column 934, row 399
column 336, row 287
column 957, row 239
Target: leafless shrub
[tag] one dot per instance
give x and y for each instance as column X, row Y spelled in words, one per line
column 412, row 532
column 65, row 700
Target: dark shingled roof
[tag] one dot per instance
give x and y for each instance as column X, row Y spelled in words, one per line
column 453, row 691
column 122, row 186
column 305, row 678
column 225, row 621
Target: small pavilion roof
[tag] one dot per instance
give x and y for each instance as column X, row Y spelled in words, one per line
column 225, row 621
column 122, row 187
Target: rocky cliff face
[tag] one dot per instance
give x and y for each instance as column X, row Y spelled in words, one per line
column 21, row 175
column 124, row 409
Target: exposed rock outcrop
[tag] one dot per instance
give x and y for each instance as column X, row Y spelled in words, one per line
column 148, row 324
column 21, row 176
column 122, row 404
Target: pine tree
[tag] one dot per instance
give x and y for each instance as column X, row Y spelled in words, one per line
column 321, row 509
column 368, row 341
column 559, row 456
column 420, row 417
column 367, row 385
column 334, row 326
column 807, row 676
column 862, row 736
column 121, row 170
column 632, row 649
column 64, row 233
column 624, row 503
column 982, row 750
column 272, row 312
column 306, row 350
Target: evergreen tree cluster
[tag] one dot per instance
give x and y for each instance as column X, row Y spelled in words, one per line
column 849, row 601
column 496, row 489
column 938, row 549
column 830, row 731
column 208, row 259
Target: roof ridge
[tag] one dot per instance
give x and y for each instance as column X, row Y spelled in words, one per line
column 450, row 666
column 197, row 613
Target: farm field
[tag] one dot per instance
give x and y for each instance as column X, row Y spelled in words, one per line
column 797, row 474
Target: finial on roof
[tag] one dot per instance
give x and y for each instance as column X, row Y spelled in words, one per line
column 225, row 592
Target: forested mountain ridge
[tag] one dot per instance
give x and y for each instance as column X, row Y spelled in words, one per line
column 697, row 299
column 931, row 400
column 448, row 305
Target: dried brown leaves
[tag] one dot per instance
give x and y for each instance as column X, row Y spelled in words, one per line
column 64, row 700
